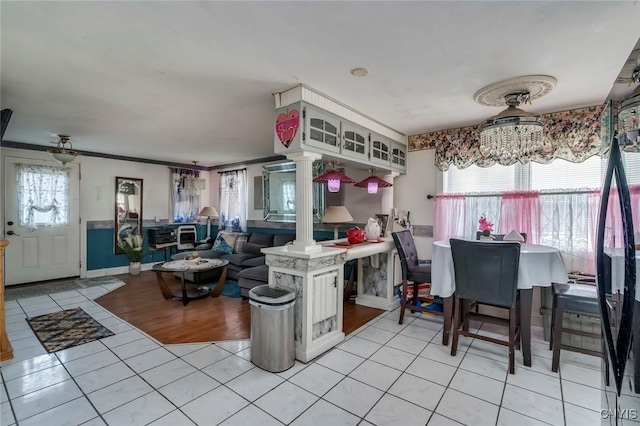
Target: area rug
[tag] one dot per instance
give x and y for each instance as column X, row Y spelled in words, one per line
column 62, row 330
column 230, row 289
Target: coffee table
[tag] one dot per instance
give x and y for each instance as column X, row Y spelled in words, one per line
column 190, row 291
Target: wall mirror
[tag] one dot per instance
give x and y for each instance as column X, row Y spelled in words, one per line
column 128, row 219
column 279, row 191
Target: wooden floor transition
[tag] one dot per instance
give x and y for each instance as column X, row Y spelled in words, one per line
column 141, row 304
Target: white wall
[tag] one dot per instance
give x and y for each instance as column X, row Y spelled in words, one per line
column 411, row 190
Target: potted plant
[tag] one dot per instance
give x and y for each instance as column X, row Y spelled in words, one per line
column 131, row 245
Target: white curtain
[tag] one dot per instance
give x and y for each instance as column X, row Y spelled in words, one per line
column 489, row 206
column 185, row 194
column 43, row 195
column 233, row 201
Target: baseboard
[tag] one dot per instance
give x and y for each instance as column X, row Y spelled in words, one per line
column 116, row 270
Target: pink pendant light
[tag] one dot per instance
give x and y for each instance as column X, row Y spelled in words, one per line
column 372, row 183
column 333, row 178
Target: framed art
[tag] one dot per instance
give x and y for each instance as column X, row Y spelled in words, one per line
column 383, row 220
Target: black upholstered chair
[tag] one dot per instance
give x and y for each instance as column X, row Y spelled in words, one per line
column 500, row 237
column 577, row 298
column 486, row 273
column 415, row 273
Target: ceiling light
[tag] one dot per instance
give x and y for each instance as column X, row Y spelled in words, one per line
column 333, row 178
column 61, row 153
column 372, row 183
column 514, row 134
column 359, row 72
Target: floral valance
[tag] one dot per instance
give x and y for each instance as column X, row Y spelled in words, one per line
column 573, row 135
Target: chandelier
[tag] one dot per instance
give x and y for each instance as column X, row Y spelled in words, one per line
column 514, row 134
column 333, row 178
column 61, row 153
column 372, row 183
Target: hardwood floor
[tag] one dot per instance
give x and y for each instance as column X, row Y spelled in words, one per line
column 140, row 303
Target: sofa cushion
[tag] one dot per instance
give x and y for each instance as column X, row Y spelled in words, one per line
column 238, row 258
column 230, row 242
column 282, row 239
column 259, row 273
column 256, row 261
column 258, row 241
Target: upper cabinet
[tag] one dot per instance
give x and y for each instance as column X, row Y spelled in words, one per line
column 355, row 141
column 301, row 126
column 398, row 156
column 323, row 130
column 380, row 150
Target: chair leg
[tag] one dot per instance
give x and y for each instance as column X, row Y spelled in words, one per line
column 557, row 337
column 466, row 304
column 512, row 340
column 403, row 302
column 414, row 298
column 448, row 314
column 456, row 320
column 553, row 321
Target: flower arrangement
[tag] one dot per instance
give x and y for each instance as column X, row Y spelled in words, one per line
column 484, row 225
column 131, row 245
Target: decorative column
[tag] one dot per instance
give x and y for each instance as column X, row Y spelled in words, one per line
column 387, row 194
column 304, row 241
column 6, row 351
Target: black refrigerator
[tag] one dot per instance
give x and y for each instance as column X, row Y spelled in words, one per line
column 619, row 306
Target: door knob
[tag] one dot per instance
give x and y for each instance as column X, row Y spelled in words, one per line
column 11, row 233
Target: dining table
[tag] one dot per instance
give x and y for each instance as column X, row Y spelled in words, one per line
column 539, row 266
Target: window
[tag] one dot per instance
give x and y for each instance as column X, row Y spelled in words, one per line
column 185, row 194
column 43, row 195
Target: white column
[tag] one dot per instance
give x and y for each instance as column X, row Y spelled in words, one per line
column 387, row 193
column 304, row 241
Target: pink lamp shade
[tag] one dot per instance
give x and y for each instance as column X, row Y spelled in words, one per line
column 372, row 183
column 333, row 178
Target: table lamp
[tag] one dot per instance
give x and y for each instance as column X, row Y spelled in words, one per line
column 209, row 212
column 336, row 215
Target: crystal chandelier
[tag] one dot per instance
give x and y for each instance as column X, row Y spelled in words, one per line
column 61, row 153
column 514, row 134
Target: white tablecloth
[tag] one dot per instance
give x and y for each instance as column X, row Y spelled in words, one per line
column 617, row 270
column 539, row 267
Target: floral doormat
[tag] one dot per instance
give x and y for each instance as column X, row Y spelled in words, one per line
column 62, row 330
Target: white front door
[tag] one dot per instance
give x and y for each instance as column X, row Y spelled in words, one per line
column 52, row 249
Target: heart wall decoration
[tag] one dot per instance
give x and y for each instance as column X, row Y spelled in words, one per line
column 287, row 126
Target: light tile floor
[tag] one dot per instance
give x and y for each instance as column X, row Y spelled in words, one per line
column 383, row 374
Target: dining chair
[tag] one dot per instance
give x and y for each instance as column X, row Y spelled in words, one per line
column 412, row 271
column 486, row 273
column 575, row 298
column 500, row 237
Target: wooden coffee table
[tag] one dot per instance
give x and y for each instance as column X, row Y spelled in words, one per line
column 190, row 291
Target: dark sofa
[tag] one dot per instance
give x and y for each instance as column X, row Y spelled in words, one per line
column 245, row 266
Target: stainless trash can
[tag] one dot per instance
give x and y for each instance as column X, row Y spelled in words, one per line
column 272, row 327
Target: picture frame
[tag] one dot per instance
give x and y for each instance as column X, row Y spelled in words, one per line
column 383, row 220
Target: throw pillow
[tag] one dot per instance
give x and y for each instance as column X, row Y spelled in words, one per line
column 230, row 242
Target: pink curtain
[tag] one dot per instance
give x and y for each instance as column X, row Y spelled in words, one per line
column 520, row 211
column 448, row 220
column 613, row 233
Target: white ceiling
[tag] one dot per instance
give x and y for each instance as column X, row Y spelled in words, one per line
column 186, row 81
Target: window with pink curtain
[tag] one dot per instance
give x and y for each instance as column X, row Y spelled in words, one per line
column 520, row 212
column 449, row 216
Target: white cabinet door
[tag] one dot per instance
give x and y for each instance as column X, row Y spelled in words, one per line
column 322, row 130
column 355, row 141
column 398, row 157
column 380, row 150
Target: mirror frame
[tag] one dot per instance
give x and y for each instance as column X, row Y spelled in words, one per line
column 270, row 170
column 122, row 216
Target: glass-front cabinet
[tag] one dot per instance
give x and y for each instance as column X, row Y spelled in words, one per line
column 355, row 141
column 398, row 156
column 380, row 152
column 323, row 130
